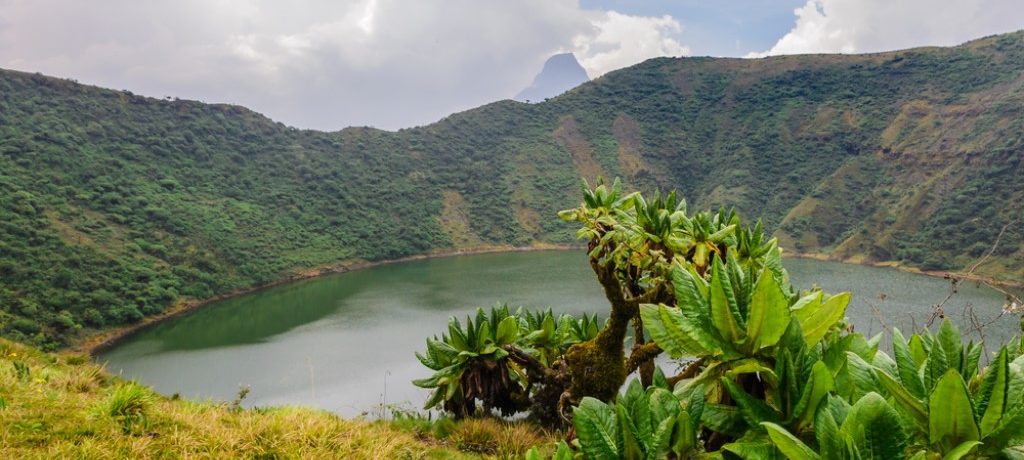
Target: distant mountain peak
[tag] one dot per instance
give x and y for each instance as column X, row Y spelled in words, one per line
column 561, row 73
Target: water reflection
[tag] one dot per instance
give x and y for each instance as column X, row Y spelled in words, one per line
column 346, row 342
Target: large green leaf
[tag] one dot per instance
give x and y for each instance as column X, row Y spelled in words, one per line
column 751, row 448
column 906, row 366
column 768, row 314
column 857, row 377
column 1011, row 427
column 791, row 447
column 690, row 287
column 991, row 400
column 632, row 438
column 816, row 322
column 597, row 429
column 684, row 438
column 874, row 428
column 918, row 350
column 637, row 403
column 885, row 363
column 972, row 356
column 909, row 403
column 961, row 450
column 837, row 407
column 455, row 335
column 753, row 410
column 723, row 304
column 723, row 419
column 935, row 366
column 661, row 437
column 667, row 328
column 834, row 351
column 951, row 343
column 810, row 301
column 695, row 407
column 820, row 384
column 831, row 442
column 950, row 413
column 787, row 392
column 508, row 331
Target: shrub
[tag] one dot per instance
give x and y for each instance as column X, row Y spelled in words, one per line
column 129, row 405
column 26, row 326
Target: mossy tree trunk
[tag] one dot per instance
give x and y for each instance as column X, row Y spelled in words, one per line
column 599, row 367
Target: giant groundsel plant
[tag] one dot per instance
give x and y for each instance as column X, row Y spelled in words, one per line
column 766, row 370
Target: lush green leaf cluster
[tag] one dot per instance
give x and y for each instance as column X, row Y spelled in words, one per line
column 800, row 387
column 642, row 424
column 472, row 365
column 928, row 402
column 773, row 372
column 767, row 371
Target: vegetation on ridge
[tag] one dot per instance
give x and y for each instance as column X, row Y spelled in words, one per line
column 115, row 206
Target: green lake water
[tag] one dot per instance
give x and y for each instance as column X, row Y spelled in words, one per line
column 345, row 342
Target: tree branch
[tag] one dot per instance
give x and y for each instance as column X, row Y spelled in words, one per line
column 532, row 365
column 690, row 372
column 641, row 354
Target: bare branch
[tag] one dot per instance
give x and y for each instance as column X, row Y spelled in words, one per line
column 690, row 372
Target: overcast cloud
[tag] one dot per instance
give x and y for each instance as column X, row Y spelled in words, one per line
column 324, row 64
column 396, row 63
column 868, row 26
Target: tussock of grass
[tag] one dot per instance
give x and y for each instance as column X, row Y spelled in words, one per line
column 66, row 407
column 496, row 437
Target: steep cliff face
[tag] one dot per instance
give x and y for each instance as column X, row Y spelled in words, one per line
column 561, row 73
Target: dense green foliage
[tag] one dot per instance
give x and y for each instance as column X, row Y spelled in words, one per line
column 766, row 371
column 113, row 206
column 936, row 404
column 641, row 424
column 472, row 366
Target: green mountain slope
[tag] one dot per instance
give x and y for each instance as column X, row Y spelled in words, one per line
column 114, row 206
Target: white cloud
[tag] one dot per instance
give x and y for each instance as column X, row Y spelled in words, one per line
column 622, row 40
column 323, row 63
column 865, row 26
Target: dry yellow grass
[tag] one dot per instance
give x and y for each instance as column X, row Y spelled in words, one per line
column 60, row 409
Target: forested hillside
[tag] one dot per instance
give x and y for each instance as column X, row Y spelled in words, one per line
column 114, row 206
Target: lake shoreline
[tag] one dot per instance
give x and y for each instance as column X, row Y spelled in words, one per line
column 992, row 282
column 95, row 344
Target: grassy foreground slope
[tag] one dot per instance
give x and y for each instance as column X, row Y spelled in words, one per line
column 64, row 406
column 114, row 206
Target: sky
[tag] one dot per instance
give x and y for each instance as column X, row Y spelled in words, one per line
column 328, row 64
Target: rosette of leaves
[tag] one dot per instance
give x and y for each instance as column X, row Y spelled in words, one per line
column 734, row 320
column 794, row 392
column 704, row 236
column 640, row 424
column 470, row 365
column 753, row 342
column 547, row 338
